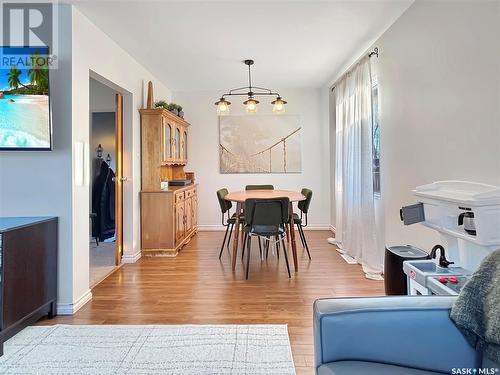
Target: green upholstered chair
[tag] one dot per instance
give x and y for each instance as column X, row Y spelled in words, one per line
column 259, row 187
column 301, row 221
column 265, row 219
column 228, row 220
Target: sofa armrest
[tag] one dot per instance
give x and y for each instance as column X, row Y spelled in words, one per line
column 407, row 331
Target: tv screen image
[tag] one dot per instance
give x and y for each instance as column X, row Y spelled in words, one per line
column 24, row 99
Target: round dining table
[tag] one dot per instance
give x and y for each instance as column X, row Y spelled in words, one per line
column 239, row 197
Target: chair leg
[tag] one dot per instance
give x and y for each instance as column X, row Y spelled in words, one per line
column 277, row 246
column 243, row 247
column 305, row 242
column 286, row 258
column 267, row 246
column 260, row 249
column 230, row 233
column 223, row 242
column 249, row 245
column 300, row 234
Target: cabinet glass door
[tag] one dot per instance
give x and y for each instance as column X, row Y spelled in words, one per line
column 184, row 146
column 177, row 144
column 167, row 141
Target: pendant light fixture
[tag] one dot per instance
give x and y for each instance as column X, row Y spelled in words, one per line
column 251, row 104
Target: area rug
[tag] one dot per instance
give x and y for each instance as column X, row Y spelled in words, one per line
column 149, row 349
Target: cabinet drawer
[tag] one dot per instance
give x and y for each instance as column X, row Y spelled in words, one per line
column 190, row 193
column 179, row 196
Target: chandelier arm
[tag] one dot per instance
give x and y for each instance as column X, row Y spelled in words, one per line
column 262, row 88
column 237, row 94
column 254, row 94
column 239, row 88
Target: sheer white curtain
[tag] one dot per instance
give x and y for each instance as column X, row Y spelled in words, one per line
column 356, row 234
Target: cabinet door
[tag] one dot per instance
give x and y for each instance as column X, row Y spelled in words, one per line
column 167, row 140
column 184, row 145
column 188, row 213
column 180, row 215
column 194, row 210
column 177, row 144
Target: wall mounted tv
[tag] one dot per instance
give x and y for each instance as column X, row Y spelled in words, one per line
column 25, row 119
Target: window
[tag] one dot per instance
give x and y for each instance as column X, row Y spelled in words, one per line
column 375, row 139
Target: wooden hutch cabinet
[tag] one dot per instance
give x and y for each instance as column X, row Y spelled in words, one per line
column 169, row 217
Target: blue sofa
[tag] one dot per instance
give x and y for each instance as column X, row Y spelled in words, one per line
column 389, row 336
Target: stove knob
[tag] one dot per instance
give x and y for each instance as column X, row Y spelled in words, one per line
column 442, row 280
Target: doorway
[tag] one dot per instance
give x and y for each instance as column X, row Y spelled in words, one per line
column 106, row 192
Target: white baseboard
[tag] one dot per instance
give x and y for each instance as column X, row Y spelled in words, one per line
column 210, row 228
column 317, row 227
column 332, row 228
column 71, row 308
column 132, row 258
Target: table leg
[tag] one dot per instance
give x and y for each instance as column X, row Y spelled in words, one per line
column 292, row 238
column 236, row 235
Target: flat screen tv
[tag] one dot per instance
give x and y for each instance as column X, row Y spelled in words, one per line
column 25, row 119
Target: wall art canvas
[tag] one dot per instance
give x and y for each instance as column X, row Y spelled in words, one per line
column 24, row 99
column 260, row 144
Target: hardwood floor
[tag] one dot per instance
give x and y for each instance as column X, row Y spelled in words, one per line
column 195, row 287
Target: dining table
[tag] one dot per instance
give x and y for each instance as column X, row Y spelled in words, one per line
column 239, row 197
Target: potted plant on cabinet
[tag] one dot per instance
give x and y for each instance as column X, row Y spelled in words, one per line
column 161, row 104
column 172, row 107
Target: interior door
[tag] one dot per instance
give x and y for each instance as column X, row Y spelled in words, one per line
column 119, row 179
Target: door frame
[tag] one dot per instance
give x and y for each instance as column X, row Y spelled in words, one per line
column 128, row 236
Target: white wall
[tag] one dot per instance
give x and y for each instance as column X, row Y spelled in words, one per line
column 42, row 183
column 95, row 54
column 440, row 96
column 39, row 183
column 310, row 104
column 439, row 82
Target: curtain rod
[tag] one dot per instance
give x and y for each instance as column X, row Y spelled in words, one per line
column 372, row 53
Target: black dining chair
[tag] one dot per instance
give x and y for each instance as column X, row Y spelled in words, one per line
column 301, row 221
column 266, row 218
column 228, row 222
column 259, row 187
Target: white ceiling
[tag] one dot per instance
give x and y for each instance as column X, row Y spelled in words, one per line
column 199, row 45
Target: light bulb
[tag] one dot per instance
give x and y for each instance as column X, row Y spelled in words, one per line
column 278, row 105
column 251, row 105
column 278, row 108
column 222, row 106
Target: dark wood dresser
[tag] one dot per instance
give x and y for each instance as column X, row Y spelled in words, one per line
column 28, row 272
